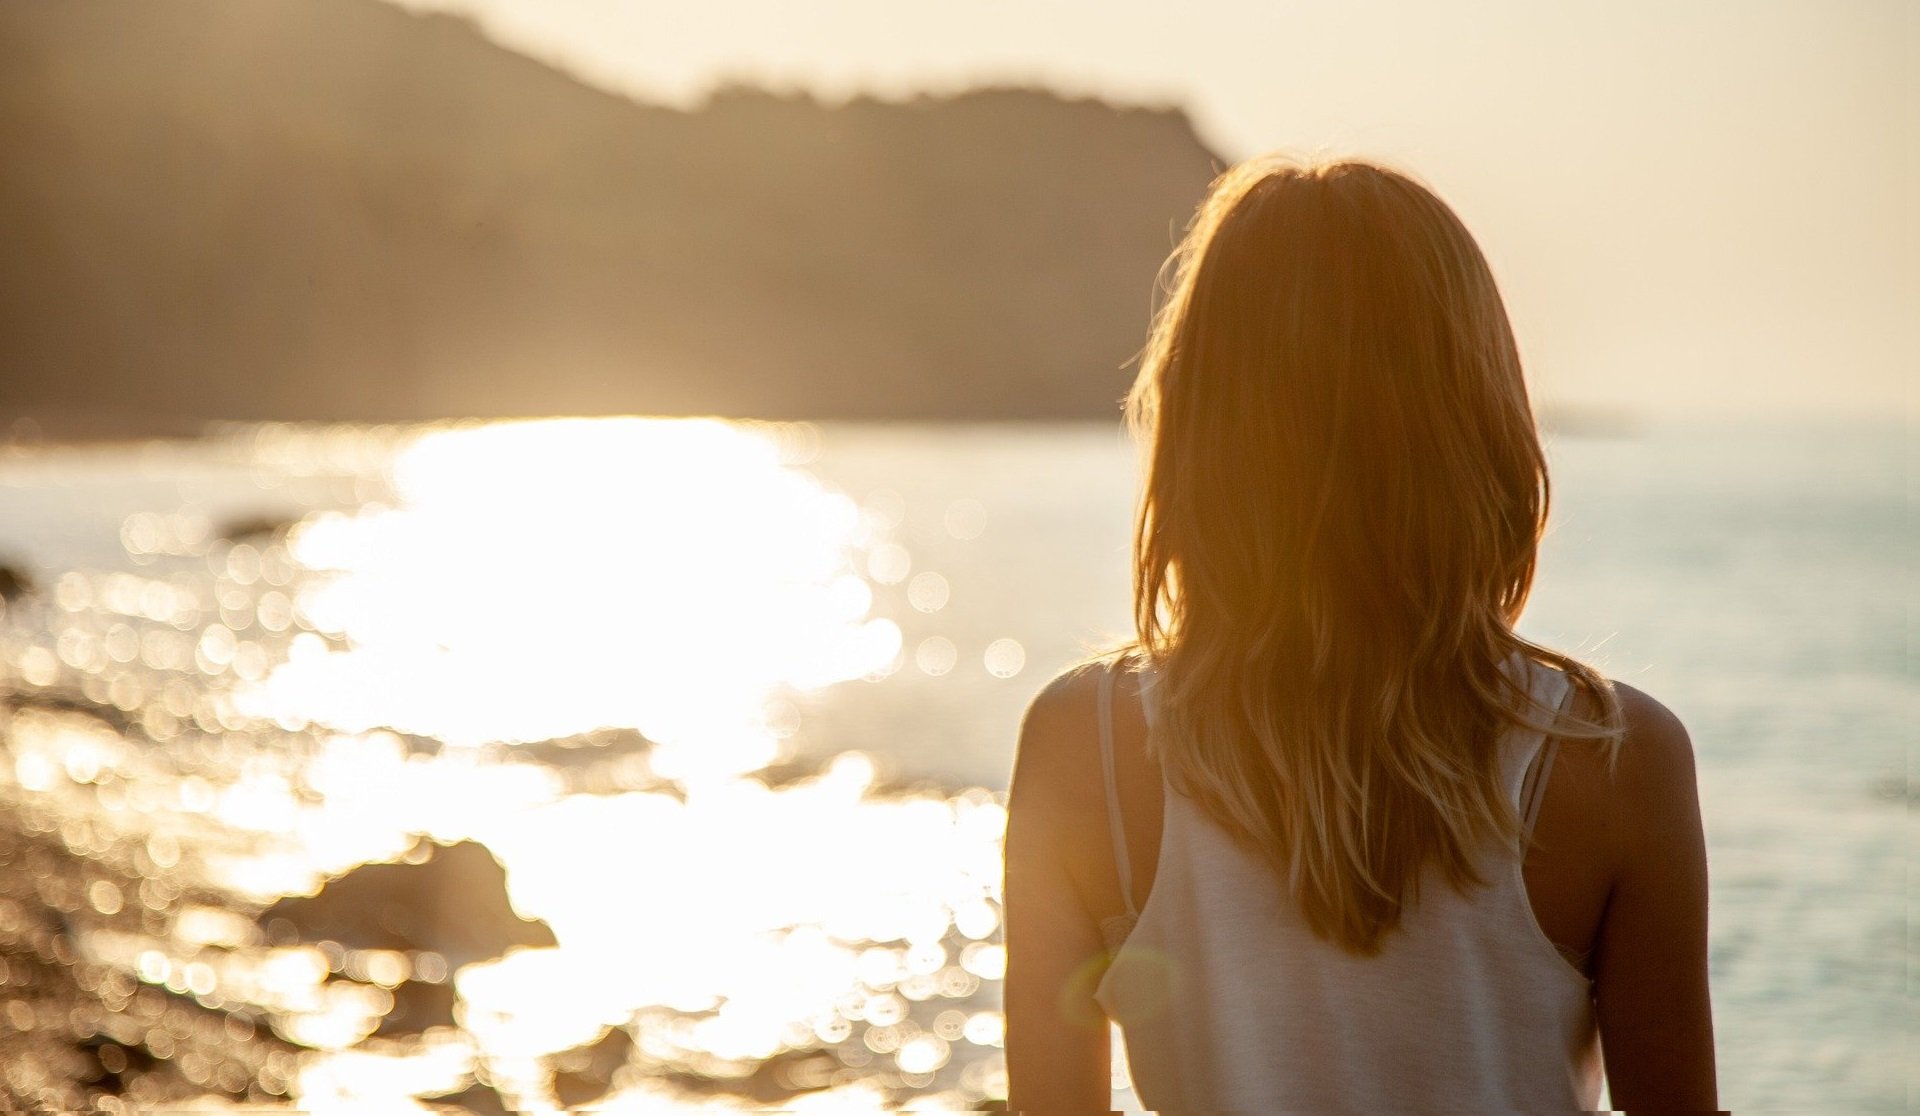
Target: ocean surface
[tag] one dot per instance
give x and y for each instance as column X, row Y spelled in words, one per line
column 734, row 706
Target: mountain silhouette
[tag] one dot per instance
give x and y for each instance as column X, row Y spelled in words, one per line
column 343, row 210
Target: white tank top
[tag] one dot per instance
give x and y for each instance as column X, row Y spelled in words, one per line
column 1227, row 1001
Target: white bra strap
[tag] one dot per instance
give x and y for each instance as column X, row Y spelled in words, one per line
column 1123, row 867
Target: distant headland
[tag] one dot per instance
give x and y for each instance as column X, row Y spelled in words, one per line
column 321, row 210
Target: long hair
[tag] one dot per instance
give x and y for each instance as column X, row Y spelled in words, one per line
column 1344, row 496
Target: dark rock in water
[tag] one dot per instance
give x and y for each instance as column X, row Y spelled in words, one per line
column 263, row 528
column 76, row 706
column 454, row 904
column 779, row 1079
column 418, row 1007
column 475, row 1098
column 773, row 1084
column 109, row 1066
column 14, row 583
column 583, row 1075
column 584, row 749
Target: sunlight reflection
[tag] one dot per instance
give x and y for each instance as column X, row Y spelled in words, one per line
column 545, row 678
column 542, row 579
column 353, row 1081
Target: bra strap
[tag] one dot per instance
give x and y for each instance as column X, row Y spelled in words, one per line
column 1123, row 867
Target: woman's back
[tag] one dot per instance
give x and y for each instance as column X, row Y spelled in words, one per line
column 1343, row 498
column 1615, row 880
column 1228, row 1001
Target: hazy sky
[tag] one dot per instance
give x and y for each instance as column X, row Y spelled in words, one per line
column 1689, row 203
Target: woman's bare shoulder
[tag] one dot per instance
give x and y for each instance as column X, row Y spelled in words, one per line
column 1059, row 731
column 1649, row 790
column 1656, row 742
column 1656, row 748
column 1074, row 686
column 1656, row 771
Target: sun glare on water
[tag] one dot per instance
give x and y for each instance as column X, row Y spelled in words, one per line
column 390, row 672
column 543, row 579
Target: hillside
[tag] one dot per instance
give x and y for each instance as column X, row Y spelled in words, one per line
column 338, row 209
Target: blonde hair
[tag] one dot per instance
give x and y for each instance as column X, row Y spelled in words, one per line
column 1344, row 495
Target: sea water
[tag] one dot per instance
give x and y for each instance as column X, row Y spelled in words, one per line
column 826, row 635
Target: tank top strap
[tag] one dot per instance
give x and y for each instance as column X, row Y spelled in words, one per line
column 1533, row 789
column 1123, row 866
